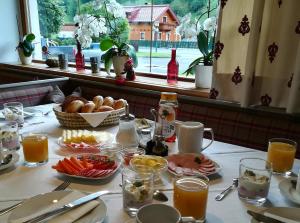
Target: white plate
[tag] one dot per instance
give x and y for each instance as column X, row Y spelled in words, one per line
column 217, row 168
column 117, row 160
column 28, row 112
column 288, row 191
column 281, row 213
column 15, row 158
column 41, row 201
column 106, row 136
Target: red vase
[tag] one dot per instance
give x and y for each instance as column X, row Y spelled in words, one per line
column 79, row 58
column 173, row 68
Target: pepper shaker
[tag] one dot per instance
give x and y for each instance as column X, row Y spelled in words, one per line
column 63, row 61
column 94, row 65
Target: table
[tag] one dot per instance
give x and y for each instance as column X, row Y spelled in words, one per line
column 23, row 182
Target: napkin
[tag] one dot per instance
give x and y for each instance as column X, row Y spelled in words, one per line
column 94, row 119
column 284, row 214
column 67, row 217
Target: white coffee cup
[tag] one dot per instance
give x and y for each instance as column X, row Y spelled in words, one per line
column 160, row 213
column 190, row 136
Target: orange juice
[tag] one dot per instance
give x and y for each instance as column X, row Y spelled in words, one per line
column 190, row 197
column 35, row 148
column 281, row 155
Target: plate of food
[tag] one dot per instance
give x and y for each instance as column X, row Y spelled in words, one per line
column 83, row 141
column 157, row 164
column 191, row 164
column 88, row 166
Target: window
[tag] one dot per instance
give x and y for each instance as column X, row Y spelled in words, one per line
column 159, row 36
column 165, row 19
column 168, row 36
column 55, row 28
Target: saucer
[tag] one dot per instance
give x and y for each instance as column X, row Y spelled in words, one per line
column 288, row 191
column 15, row 158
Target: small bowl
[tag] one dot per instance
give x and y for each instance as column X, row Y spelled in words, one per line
column 111, row 150
column 129, row 153
column 156, row 164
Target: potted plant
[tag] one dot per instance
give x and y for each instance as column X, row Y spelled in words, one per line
column 26, row 48
column 106, row 23
column 202, row 66
column 117, row 54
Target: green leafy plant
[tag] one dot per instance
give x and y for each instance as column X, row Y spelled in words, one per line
column 205, row 39
column 114, row 48
column 27, row 44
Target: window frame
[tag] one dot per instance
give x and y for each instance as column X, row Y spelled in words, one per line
column 142, row 34
column 164, row 19
column 25, row 28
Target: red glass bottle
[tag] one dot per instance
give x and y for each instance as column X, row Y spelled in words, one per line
column 173, row 68
column 79, row 58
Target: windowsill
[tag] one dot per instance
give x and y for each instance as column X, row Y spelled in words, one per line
column 143, row 82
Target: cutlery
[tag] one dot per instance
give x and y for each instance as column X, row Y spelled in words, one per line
column 68, row 207
column 225, row 192
column 262, row 218
column 62, row 186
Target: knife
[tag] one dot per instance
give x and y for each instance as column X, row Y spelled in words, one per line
column 262, row 218
column 67, row 207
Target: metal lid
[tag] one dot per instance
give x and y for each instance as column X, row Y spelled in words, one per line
column 127, row 116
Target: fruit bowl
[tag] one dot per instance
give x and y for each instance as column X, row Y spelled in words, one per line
column 149, row 163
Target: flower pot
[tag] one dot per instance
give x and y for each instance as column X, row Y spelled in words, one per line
column 118, row 63
column 203, row 76
column 24, row 60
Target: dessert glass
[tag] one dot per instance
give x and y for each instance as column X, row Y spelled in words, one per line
column 137, row 189
column 9, row 136
column 281, row 153
column 35, row 149
column 13, row 112
column 130, row 152
column 254, row 180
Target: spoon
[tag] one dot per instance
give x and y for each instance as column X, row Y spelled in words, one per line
column 6, row 159
column 225, row 192
column 157, row 195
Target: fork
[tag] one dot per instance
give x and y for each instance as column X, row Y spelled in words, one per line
column 62, row 186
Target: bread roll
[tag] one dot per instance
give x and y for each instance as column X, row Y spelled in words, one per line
column 88, row 107
column 98, row 101
column 74, row 106
column 69, row 99
column 119, row 104
column 104, row 108
column 108, row 101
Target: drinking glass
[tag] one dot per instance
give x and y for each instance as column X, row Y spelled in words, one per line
column 130, row 152
column 281, row 153
column 190, row 196
column 137, row 189
column 9, row 136
column 13, row 112
column 35, row 149
column 111, row 150
column 254, row 180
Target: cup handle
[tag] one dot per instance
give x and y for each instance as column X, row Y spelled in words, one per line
column 187, row 220
column 212, row 137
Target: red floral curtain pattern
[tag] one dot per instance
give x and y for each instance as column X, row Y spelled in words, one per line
column 257, row 53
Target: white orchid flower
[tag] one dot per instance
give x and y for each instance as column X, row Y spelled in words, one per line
column 209, row 24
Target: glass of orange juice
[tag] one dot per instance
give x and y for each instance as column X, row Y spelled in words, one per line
column 190, row 196
column 35, row 149
column 281, row 153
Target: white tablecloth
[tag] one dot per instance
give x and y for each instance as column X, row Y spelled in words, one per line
column 23, row 182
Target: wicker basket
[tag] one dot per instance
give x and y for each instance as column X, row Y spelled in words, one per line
column 74, row 120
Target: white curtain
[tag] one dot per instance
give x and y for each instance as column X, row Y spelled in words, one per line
column 257, row 53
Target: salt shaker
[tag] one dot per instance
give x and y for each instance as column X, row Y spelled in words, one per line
column 62, row 62
column 94, row 65
column 127, row 135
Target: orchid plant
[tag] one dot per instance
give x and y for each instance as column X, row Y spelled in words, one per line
column 205, row 33
column 105, row 19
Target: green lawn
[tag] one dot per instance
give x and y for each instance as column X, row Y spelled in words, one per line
column 154, row 54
